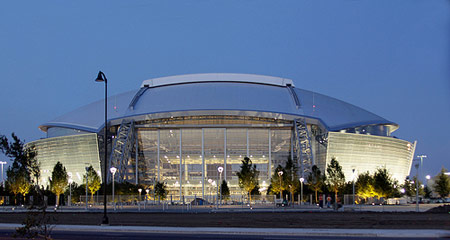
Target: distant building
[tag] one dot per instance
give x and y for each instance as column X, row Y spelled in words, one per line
column 180, row 129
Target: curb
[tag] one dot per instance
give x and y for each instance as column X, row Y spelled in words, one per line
column 391, row 233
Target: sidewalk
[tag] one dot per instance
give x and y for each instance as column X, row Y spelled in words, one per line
column 398, row 233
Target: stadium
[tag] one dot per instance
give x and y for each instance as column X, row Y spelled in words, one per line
column 180, row 129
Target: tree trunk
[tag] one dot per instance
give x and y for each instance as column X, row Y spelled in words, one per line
column 316, row 195
column 335, row 200
column 57, row 200
column 249, row 198
column 292, row 198
column 92, row 198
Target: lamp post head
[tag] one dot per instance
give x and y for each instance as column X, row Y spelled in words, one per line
column 113, row 170
column 210, row 180
column 428, row 177
column 147, row 190
column 1, row 162
column 302, row 180
column 100, row 77
column 70, row 180
column 280, row 173
column 220, row 169
column 140, row 190
column 402, row 190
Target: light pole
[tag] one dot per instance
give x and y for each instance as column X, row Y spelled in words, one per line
column 102, row 78
column 146, row 196
column 353, row 182
column 87, row 181
column 417, row 186
column 3, row 180
column 210, row 182
column 113, row 171
column 220, row 169
column 280, row 173
column 214, row 185
column 421, row 163
column 70, row 191
column 301, row 190
column 140, row 190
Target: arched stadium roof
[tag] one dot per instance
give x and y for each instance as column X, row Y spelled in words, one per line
column 219, row 92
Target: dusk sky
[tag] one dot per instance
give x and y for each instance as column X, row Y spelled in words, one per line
column 389, row 57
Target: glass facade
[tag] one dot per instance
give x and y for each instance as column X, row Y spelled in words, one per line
column 189, row 157
column 75, row 152
column 368, row 152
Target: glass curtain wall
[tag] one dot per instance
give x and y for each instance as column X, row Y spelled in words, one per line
column 236, row 151
column 169, row 158
column 192, row 162
column 190, row 169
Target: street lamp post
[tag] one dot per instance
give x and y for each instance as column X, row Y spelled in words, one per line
column 301, row 190
column 3, row 180
column 113, row 171
column 87, row 181
column 146, row 196
column 220, row 169
column 353, row 182
column 280, row 173
column 210, row 182
column 70, row 191
column 140, row 190
column 421, row 163
column 417, row 186
column 102, row 78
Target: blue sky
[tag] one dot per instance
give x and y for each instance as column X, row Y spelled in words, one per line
column 389, row 57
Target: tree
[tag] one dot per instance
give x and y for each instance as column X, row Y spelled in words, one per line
column 277, row 183
column 442, row 184
column 335, row 178
column 25, row 157
column 18, row 180
column 383, row 183
column 225, row 191
column 315, row 180
column 248, row 176
column 160, row 190
column 365, row 185
column 94, row 181
column 291, row 177
column 59, row 180
column 410, row 187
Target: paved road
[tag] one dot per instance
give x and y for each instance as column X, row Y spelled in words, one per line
column 7, row 234
column 142, row 232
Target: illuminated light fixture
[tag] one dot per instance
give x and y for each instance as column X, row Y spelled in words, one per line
column 228, row 156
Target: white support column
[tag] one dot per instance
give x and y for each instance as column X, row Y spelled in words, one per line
column 292, row 147
column 248, row 152
column 225, row 154
column 181, row 170
column 159, row 159
column 203, row 163
column 137, row 158
column 269, row 172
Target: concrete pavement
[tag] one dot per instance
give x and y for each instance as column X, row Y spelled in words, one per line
column 388, row 233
